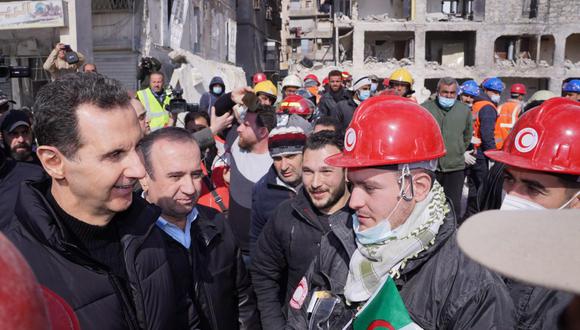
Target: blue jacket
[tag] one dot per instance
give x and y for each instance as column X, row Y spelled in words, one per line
column 208, row 99
column 267, row 194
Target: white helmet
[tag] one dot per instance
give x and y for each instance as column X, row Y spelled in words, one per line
column 292, row 81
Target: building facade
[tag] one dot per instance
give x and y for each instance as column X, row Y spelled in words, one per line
column 536, row 42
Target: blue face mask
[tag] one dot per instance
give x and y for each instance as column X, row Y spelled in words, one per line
column 374, row 87
column 364, row 94
column 445, row 102
column 217, row 89
column 373, row 235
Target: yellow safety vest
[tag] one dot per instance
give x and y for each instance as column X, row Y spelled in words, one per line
column 156, row 112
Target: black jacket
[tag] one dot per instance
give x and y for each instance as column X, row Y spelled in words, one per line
column 93, row 291
column 288, row 244
column 267, row 195
column 12, row 174
column 441, row 287
column 220, row 286
column 343, row 112
column 328, row 101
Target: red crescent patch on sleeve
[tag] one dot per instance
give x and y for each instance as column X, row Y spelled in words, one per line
column 299, row 294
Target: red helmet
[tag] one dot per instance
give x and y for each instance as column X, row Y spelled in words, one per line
column 389, row 130
column 346, row 75
column 518, row 89
column 297, row 105
column 312, row 77
column 25, row 304
column 259, row 77
column 544, row 139
column 325, row 81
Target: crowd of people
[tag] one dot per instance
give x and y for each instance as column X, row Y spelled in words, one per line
column 322, row 205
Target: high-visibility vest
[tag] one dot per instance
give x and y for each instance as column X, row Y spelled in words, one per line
column 507, row 114
column 475, row 117
column 156, row 112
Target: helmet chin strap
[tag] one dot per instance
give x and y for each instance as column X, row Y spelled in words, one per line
column 406, row 173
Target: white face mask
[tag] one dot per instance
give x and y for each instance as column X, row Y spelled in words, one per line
column 495, row 98
column 511, row 202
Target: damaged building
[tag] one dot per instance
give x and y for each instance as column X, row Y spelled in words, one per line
column 193, row 39
column 536, row 42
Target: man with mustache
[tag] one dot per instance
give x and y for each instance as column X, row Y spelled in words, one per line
column 83, row 232
column 212, row 286
column 282, row 180
column 17, row 135
column 291, row 237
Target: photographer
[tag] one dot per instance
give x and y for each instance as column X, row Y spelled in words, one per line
column 63, row 60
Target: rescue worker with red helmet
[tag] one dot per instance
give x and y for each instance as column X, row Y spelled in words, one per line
column 571, row 90
column 344, row 109
column 542, row 171
column 484, row 114
column 312, row 84
column 347, row 80
column 258, row 77
column 401, row 239
column 292, row 106
column 508, row 113
column 335, row 92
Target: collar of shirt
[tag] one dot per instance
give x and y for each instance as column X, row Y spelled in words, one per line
column 181, row 236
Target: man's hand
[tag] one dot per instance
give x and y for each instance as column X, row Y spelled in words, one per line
column 469, row 158
column 59, row 46
column 220, row 123
column 238, row 93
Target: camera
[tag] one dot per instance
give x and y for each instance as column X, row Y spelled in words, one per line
column 178, row 104
column 70, row 56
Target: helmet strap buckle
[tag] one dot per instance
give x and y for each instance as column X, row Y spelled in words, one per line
column 406, row 174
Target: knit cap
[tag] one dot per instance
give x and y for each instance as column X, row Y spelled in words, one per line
column 286, row 140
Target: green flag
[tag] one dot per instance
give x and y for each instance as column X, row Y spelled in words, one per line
column 384, row 310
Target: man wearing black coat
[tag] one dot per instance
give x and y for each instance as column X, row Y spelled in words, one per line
column 344, row 109
column 282, row 180
column 291, row 238
column 213, row 288
column 84, row 234
column 334, row 94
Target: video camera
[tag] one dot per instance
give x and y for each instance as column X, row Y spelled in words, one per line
column 70, row 56
column 178, row 104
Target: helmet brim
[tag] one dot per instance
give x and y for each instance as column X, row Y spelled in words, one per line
column 521, row 162
column 341, row 160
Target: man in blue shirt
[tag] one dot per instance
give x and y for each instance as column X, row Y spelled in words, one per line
column 212, row 285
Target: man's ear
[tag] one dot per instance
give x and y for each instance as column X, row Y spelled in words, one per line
column 52, row 160
column 263, row 131
column 422, row 183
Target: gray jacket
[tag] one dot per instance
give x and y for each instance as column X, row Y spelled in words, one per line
column 441, row 287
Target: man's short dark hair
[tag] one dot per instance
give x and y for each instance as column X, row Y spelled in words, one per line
column 172, row 134
column 335, row 73
column 55, row 118
column 192, row 116
column 265, row 117
column 319, row 140
column 328, row 121
column 159, row 73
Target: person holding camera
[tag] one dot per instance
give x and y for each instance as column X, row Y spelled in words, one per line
column 63, row 60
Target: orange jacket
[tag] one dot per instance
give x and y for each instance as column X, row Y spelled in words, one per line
column 475, row 116
column 508, row 113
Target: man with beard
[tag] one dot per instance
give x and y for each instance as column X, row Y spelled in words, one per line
column 291, row 237
column 283, row 179
column 83, row 232
column 213, row 288
column 17, row 136
column 249, row 161
column 334, row 94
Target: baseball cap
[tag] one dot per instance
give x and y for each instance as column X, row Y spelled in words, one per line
column 13, row 119
column 536, row 247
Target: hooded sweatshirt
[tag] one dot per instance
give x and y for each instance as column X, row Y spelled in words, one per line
column 208, row 99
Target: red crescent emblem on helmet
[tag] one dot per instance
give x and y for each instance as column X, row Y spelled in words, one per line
column 349, row 139
column 526, row 140
column 376, row 324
